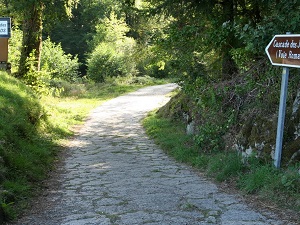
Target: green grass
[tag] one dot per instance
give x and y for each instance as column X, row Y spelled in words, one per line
column 34, row 128
column 24, row 150
column 224, row 166
column 253, row 177
column 174, row 142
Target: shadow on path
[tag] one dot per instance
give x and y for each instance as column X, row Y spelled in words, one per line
column 114, row 174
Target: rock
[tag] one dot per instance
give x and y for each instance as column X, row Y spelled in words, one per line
column 257, row 136
column 191, row 128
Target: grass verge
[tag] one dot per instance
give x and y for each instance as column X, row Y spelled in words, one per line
column 252, row 177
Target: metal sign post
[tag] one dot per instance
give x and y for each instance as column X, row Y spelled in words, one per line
column 281, row 116
column 283, row 50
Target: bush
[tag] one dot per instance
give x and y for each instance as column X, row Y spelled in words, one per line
column 55, row 66
column 54, row 60
column 106, row 62
column 103, row 63
column 36, row 80
column 112, row 54
column 57, row 63
column 14, row 50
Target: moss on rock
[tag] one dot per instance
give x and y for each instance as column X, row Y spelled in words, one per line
column 259, row 134
column 177, row 107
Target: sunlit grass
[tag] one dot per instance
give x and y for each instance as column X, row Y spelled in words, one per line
column 63, row 113
column 34, row 128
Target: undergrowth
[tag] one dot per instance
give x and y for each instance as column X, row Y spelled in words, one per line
column 282, row 187
column 25, row 150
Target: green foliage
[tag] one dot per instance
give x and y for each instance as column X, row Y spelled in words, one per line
column 226, row 39
column 209, row 138
column 103, row 63
column 178, row 46
column 7, row 211
column 111, row 30
column 263, row 179
column 35, row 79
column 274, row 20
column 57, row 63
column 31, row 15
column 258, row 178
column 56, row 66
column 211, row 110
column 76, row 33
column 175, row 142
column 14, row 50
column 290, row 180
column 112, row 54
column 224, row 166
column 201, row 161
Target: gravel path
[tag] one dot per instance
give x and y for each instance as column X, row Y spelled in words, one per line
column 114, row 174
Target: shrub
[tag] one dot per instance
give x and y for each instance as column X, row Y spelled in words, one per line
column 57, row 63
column 36, row 80
column 103, row 63
column 14, row 51
column 112, row 54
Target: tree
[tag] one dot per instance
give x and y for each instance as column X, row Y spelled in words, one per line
column 221, row 28
column 112, row 50
column 32, row 13
column 75, row 33
column 32, row 35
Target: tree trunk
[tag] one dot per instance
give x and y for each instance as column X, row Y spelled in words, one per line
column 32, row 38
column 229, row 67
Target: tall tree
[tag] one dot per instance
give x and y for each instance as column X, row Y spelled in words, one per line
column 32, row 35
column 75, row 33
column 228, row 13
column 219, row 25
column 32, row 13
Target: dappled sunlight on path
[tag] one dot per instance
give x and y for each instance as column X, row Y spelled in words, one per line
column 115, row 174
